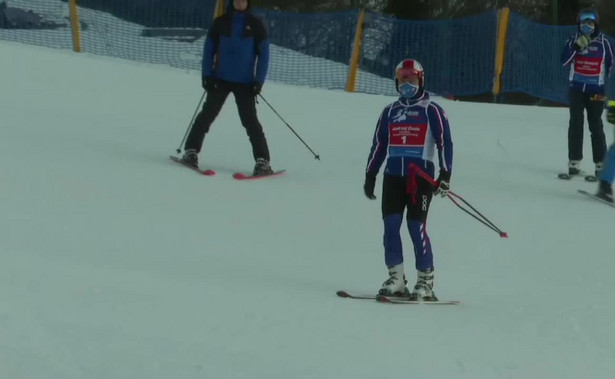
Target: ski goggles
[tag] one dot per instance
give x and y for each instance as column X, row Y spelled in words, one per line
column 587, row 18
column 407, row 74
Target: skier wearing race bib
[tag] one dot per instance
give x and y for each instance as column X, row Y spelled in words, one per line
column 590, row 57
column 409, row 133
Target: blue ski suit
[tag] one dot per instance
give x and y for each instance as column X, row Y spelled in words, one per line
column 409, row 131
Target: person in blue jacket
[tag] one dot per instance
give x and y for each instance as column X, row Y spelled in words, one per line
column 607, row 176
column 235, row 59
column 410, row 132
column 590, row 57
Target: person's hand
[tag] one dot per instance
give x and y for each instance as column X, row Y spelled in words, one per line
column 210, row 83
column 444, row 180
column 256, row 88
column 369, row 185
column 610, row 112
column 581, row 42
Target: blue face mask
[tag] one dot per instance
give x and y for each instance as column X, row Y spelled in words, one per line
column 408, row 90
column 587, row 29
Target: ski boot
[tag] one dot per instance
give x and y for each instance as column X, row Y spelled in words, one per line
column 395, row 285
column 191, row 158
column 605, row 191
column 574, row 168
column 423, row 289
column 262, row 167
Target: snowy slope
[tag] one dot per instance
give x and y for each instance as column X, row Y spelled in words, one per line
column 116, row 263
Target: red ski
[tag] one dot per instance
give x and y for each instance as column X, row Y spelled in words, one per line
column 202, row 172
column 242, row 176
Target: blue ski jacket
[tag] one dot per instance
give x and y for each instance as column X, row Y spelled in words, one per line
column 236, row 48
column 411, row 131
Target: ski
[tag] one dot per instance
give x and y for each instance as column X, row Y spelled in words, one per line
column 349, row 295
column 596, row 198
column 588, row 178
column 401, row 300
column 391, row 299
column 202, row 172
column 242, row 176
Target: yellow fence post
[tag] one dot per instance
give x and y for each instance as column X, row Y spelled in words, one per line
column 351, row 81
column 500, row 51
column 220, row 8
column 74, row 25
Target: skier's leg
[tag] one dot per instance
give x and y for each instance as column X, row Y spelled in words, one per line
column 213, row 104
column 608, row 172
column 596, row 128
column 418, row 208
column 575, row 126
column 246, row 106
column 393, row 206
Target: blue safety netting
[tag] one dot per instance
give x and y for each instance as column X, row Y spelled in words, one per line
column 458, row 55
column 312, row 49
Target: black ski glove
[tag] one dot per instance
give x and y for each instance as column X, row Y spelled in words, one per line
column 210, row 83
column 444, row 180
column 369, row 185
column 256, row 88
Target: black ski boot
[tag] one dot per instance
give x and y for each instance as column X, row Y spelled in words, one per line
column 191, row 158
column 262, row 167
column 605, row 191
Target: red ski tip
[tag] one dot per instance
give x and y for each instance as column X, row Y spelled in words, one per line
column 209, row 172
column 504, row 235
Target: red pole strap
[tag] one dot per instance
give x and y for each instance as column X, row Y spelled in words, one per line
column 415, row 169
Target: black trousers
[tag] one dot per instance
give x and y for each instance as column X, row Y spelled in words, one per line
column 395, row 198
column 246, row 106
column 579, row 102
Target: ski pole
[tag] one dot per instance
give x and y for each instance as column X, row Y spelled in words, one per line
column 483, row 220
column 316, row 156
column 452, row 195
column 179, row 149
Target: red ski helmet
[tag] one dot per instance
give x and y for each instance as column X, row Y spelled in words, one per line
column 409, row 68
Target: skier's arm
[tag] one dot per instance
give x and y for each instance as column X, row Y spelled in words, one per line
column 441, row 133
column 569, row 52
column 262, row 53
column 209, row 50
column 608, row 54
column 380, row 143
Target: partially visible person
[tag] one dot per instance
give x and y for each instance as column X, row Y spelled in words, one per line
column 590, row 57
column 607, row 176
